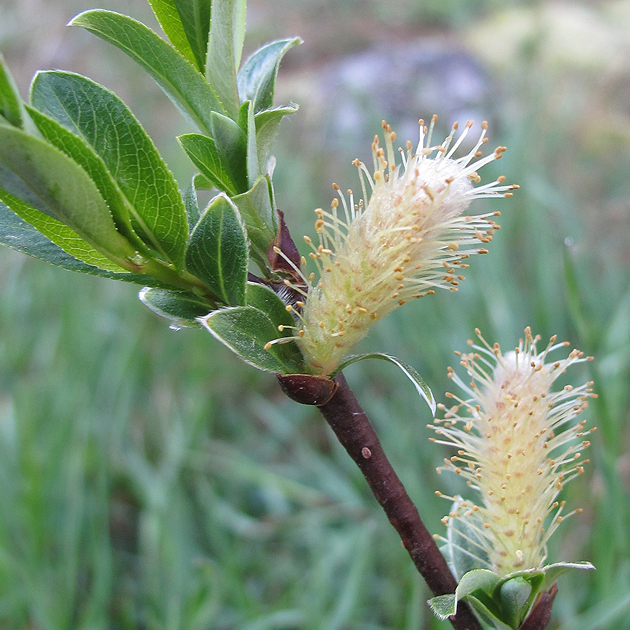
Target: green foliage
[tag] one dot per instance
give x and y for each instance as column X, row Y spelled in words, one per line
column 502, row 603
column 257, row 77
column 36, row 172
column 181, row 82
column 182, row 308
column 225, row 43
column 246, row 330
column 103, row 121
column 203, row 153
column 85, row 174
column 187, row 25
column 23, row 237
column 11, row 107
column 256, row 208
column 217, row 251
column 135, row 500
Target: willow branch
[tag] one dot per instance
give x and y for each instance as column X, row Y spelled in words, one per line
column 352, row 427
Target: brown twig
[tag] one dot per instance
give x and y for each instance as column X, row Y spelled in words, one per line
column 353, row 429
column 539, row 617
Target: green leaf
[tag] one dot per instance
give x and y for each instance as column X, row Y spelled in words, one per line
column 217, row 251
column 182, row 83
column 253, row 169
column 477, row 579
column 477, row 589
column 192, row 205
column 267, row 122
column 60, row 234
column 75, row 148
column 257, row 213
column 182, row 308
column 257, row 77
column 23, row 237
column 554, row 571
column 201, row 182
column 410, row 372
column 227, row 33
column 443, row 606
column 204, row 155
column 267, row 301
column 195, row 17
column 61, row 188
column 515, row 594
column 105, row 123
column 490, row 618
column 11, row 106
column 460, row 550
column 231, row 145
column 170, row 20
column 246, row 330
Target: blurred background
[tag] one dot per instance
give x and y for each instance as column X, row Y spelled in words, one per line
column 151, row 481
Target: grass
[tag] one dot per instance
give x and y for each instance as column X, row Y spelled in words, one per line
column 149, row 480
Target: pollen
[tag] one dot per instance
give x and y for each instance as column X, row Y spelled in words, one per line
column 407, row 226
column 514, row 406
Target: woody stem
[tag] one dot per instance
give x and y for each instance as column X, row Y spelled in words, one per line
column 353, row 429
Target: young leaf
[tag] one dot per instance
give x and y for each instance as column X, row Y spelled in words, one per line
column 267, row 122
column 181, row 82
column 181, row 307
column 75, row 148
column 105, row 123
column 477, row 579
column 201, row 182
column 253, row 168
column 266, row 300
column 490, row 618
column 443, row 606
column 515, row 594
column 195, row 17
column 11, row 106
column 62, row 188
column 60, row 234
column 217, row 251
column 257, row 78
column 260, row 219
column 462, row 549
column 231, row 144
column 171, row 22
column 246, row 331
column 204, row 155
column 410, row 372
column 191, row 204
column 23, row 237
column 227, row 32
column 554, row 571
